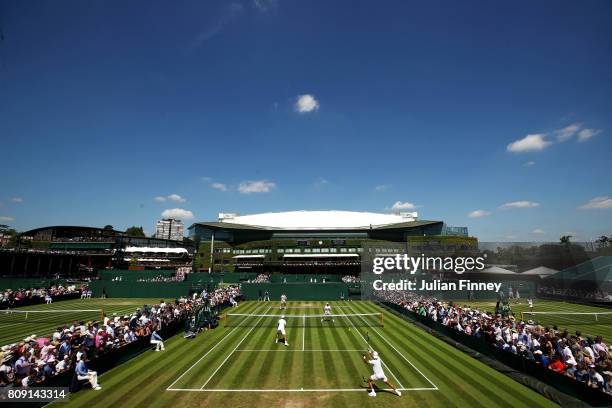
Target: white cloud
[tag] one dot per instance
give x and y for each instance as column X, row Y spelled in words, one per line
column 306, row 103
column 530, row 143
column 538, row 231
column 519, row 204
column 17, row 200
column 586, row 134
column 176, row 198
column 382, row 187
column 258, row 186
column 177, row 213
column 172, row 197
column 598, row 203
column 219, row 186
column 5, row 218
column 479, row 213
column 403, row 206
column 567, row 132
column 529, row 163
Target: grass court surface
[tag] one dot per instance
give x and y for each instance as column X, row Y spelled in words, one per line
column 15, row 326
column 243, row 366
column 583, row 323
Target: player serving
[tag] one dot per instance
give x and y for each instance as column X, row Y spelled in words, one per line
column 378, row 373
column 283, row 304
column 327, row 313
column 281, row 333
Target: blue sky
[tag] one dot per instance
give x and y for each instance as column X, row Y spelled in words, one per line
column 492, row 115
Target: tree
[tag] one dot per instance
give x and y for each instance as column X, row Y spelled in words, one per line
column 602, row 242
column 108, row 227
column 17, row 241
column 135, row 231
column 565, row 239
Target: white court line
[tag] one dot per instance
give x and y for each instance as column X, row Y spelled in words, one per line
column 304, row 334
column 230, row 354
column 312, row 307
column 404, row 357
column 286, row 350
column 201, row 358
column 295, row 389
column 369, row 347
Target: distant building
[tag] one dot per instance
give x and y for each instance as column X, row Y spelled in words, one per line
column 4, row 239
column 317, row 241
column 169, row 228
column 76, row 250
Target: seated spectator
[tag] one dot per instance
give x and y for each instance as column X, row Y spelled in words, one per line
column 158, row 341
column 84, row 374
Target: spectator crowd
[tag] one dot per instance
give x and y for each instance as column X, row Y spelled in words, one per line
column 582, row 358
column 261, row 278
column 72, row 346
column 163, row 278
column 14, row 298
column 596, row 295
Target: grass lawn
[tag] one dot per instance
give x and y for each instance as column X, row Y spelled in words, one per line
column 583, row 323
column 242, row 366
column 15, row 326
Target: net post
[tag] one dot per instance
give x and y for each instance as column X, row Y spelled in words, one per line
column 522, row 317
column 26, row 316
column 596, row 316
column 225, row 321
column 102, row 315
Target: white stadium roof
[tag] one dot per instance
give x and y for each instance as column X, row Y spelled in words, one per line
column 540, row 270
column 156, row 250
column 496, row 270
column 306, row 220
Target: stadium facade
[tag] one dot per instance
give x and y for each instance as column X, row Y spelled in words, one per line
column 74, row 250
column 316, row 241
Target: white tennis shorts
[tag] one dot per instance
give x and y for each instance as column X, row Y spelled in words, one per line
column 375, row 377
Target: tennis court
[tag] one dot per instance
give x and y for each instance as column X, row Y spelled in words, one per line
column 241, row 366
column 589, row 320
column 320, row 356
column 43, row 319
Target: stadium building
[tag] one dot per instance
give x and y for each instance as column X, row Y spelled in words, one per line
column 316, row 241
column 72, row 250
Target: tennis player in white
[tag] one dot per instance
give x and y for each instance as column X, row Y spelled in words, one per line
column 281, row 333
column 378, row 374
column 327, row 313
column 283, row 304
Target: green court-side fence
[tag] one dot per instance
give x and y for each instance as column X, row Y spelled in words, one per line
column 300, row 291
column 111, row 274
column 304, row 278
column 132, row 289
